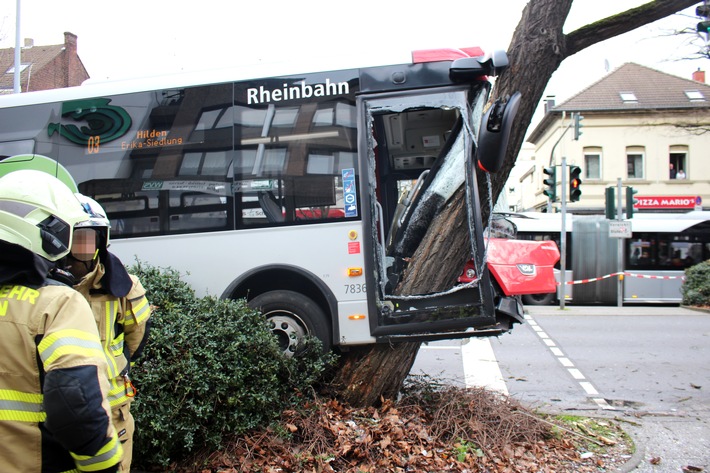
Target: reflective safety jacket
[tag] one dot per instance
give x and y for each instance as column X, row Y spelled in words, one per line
column 54, row 415
column 122, row 321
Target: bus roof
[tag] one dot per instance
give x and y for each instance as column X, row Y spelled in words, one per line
column 93, row 88
column 641, row 222
column 668, row 222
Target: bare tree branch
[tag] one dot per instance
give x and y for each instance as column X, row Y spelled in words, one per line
column 539, row 46
column 615, row 25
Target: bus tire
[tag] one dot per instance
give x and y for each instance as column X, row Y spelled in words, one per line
column 539, row 299
column 292, row 316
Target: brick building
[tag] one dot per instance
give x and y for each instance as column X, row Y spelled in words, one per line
column 43, row 67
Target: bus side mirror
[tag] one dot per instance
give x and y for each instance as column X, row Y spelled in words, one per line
column 472, row 68
column 495, row 133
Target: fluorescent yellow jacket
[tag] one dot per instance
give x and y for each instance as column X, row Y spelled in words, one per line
column 54, row 414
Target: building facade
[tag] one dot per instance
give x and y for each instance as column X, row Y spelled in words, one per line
column 647, row 128
column 43, row 67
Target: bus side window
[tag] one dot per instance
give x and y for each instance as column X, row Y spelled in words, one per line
column 130, row 216
column 314, row 197
column 190, row 211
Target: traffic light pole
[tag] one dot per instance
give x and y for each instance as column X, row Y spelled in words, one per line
column 563, row 210
column 619, row 248
column 552, row 163
column 563, row 235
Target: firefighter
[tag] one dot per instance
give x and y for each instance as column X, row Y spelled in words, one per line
column 121, row 311
column 54, row 411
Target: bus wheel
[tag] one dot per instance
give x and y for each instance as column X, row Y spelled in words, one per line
column 291, row 317
column 538, row 299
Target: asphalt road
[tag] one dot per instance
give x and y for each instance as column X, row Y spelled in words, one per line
column 648, row 366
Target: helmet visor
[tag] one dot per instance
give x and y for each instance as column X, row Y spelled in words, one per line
column 83, row 246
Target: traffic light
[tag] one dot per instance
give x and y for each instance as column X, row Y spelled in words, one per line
column 575, row 183
column 577, row 125
column 630, row 201
column 703, row 11
column 610, row 205
column 550, row 183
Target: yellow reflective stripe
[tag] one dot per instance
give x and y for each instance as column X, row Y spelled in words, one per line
column 109, row 455
column 69, row 342
column 110, row 318
column 117, row 393
column 12, row 395
column 21, row 407
column 140, row 310
column 119, row 399
column 116, row 346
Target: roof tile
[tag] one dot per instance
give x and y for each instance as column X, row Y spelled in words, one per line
column 653, row 90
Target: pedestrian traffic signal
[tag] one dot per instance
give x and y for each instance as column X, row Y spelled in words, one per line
column 703, row 11
column 577, row 125
column 609, row 204
column 630, row 201
column 575, row 183
column 550, row 183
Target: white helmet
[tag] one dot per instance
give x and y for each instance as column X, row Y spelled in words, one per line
column 38, row 212
column 97, row 217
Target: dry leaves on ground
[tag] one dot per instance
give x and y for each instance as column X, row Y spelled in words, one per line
column 451, row 429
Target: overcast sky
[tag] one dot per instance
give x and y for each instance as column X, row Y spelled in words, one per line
column 129, row 39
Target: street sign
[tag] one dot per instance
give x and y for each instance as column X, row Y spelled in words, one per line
column 619, row 229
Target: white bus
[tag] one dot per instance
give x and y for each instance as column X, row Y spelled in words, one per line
column 661, row 247
column 286, row 190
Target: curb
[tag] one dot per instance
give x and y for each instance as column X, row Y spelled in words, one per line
column 696, row 309
column 635, row 460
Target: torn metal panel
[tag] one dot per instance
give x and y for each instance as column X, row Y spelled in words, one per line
column 422, row 118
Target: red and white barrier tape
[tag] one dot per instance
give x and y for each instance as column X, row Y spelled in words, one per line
column 631, row 275
column 653, row 277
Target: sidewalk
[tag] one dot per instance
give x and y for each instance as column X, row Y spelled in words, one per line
column 571, row 309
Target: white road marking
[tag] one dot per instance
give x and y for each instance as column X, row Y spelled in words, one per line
column 480, row 366
column 440, row 347
column 588, row 388
column 567, row 363
column 576, row 374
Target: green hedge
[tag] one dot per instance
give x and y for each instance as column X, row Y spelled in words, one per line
column 696, row 287
column 211, row 367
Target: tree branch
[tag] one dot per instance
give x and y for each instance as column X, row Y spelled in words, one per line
column 621, row 23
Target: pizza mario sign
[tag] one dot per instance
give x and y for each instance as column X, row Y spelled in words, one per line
column 668, row 202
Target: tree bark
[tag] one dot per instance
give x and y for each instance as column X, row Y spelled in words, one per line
column 368, row 374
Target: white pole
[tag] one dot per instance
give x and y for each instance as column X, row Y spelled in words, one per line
column 619, row 249
column 563, row 233
column 18, row 63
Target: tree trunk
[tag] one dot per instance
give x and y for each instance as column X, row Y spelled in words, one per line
column 367, row 374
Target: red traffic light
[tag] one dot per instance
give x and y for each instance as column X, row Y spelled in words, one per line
column 574, row 183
